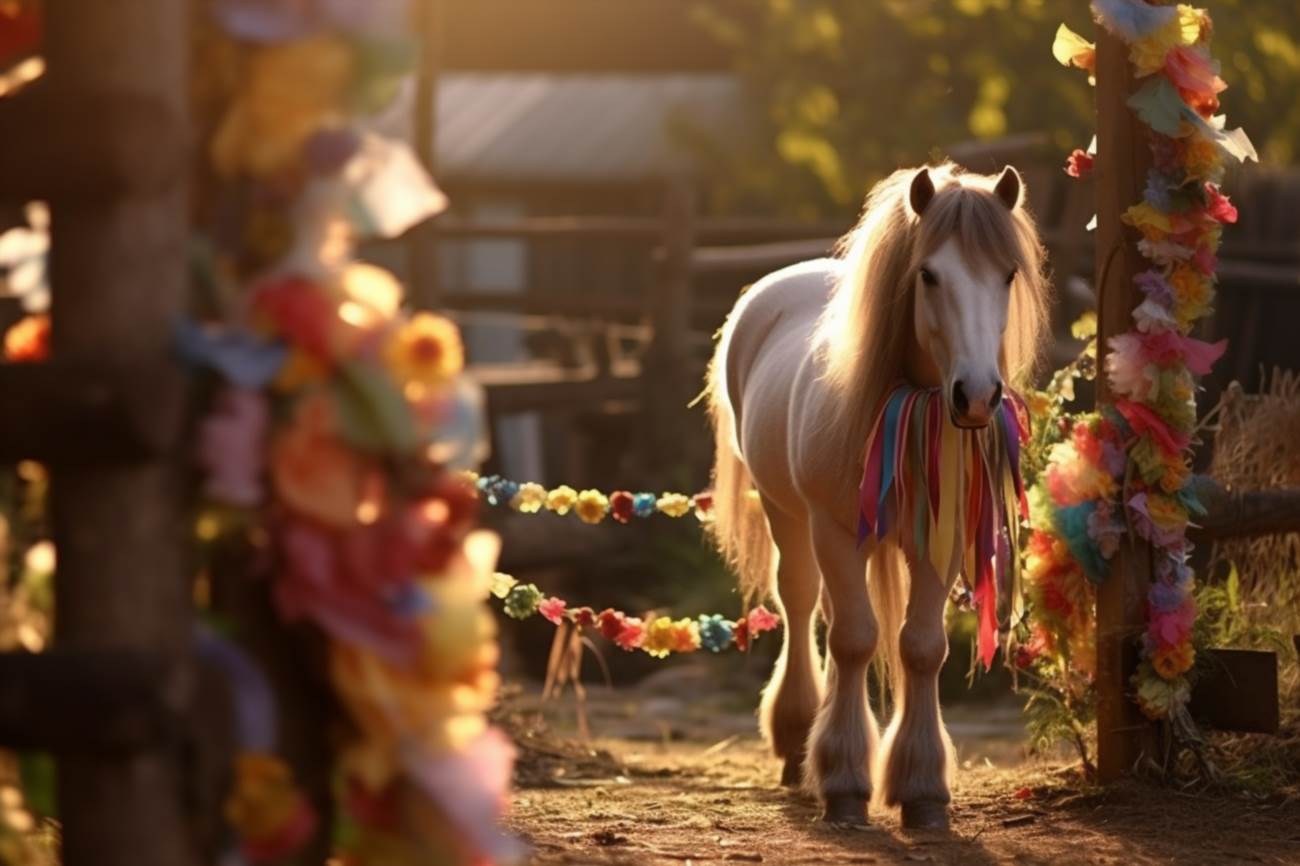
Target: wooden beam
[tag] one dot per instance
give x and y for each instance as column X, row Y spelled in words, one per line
column 1123, row 158
column 105, row 703
column 118, row 270
column 1244, row 514
column 91, row 144
column 70, row 413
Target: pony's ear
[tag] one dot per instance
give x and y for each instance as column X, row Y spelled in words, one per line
column 921, row 191
column 1009, row 188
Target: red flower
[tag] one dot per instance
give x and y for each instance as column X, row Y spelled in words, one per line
column 584, row 616
column 741, row 635
column 300, row 312
column 28, row 340
column 621, row 506
column 1219, row 207
column 1079, row 164
column 610, row 623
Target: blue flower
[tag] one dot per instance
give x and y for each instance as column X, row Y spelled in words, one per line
column 643, row 504
column 715, row 632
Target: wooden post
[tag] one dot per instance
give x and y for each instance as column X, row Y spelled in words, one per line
column 668, row 386
column 1123, row 158
column 422, row 244
column 118, row 272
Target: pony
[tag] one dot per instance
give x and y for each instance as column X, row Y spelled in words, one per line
column 941, row 285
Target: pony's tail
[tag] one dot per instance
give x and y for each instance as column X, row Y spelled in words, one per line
column 739, row 527
column 887, row 584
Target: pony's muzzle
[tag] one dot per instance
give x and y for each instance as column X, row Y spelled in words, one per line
column 971, row 408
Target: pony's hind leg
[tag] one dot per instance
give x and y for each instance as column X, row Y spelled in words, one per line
column 791, row 697
column 917, row 753
column 844, row 735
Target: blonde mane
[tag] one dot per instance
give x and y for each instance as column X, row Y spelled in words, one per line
column 864, row 332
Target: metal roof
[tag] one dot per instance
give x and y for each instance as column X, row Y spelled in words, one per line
column 537, row 127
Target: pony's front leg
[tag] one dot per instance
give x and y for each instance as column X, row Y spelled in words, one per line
column 844, row 735
column 916, row 751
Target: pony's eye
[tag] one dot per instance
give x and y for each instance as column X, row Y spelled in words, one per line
column 928, row 277
column 1011, row 277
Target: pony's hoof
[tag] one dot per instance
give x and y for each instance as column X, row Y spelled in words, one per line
column 848, row 810
column 925, row 815
column 792, row 773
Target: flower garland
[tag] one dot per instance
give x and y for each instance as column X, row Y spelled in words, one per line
column 658, row 636
column 336, row 421
column 1128, row 467
column 590, row 506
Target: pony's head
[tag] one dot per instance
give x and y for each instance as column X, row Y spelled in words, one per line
column 966, row 258
column 942, row 284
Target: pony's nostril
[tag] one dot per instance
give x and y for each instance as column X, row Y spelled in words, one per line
column 959, row 401
column 996, row 400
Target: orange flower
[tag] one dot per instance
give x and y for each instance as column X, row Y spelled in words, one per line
column 314, row 473
column 28, row 340
column 426, row 350
column 1171, row 661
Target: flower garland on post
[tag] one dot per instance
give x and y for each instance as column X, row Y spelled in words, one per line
column 335, row 427
column 1129, row 468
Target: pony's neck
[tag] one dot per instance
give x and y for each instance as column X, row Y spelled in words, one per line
column 919, row 368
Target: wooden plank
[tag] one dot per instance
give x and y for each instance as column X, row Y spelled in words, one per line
column 1123, row 157
column 1237, row 691
column 588, row 305
column 1243, row 514
column 138, row 144
column 668, row 368
column 758, row 257
column 118, row 270
column 106, row 703
column 71, row 413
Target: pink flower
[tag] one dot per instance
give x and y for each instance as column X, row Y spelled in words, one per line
column 553, row 609
column 632, row 633
column 1219, row 207
column 232, row 445
column 300, row 313
column 760, row 620
column 320, row 584
column 1171, row 628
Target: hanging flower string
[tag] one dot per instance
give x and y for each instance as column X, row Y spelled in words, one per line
column 658, row 636
column 1129, row 467
column 589, row 506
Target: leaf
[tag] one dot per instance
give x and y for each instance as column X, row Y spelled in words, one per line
column 1158, row 104
column 1068, row 45
column 1233, row 588
column 372, row 413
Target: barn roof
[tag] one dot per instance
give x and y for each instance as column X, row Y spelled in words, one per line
column 538, row 127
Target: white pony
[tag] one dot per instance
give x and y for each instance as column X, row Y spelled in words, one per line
column 940, row 285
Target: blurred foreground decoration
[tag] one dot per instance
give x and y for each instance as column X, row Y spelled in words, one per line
column 353, row 411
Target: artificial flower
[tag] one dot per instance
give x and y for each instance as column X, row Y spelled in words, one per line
column 561, row 499
column 1079, row 164
column 628, row 632
column 232, row 447
column 715, row 632
column 674, row 504
column 530, row 498
column 288, row 92
column 591, row 507
column 760, row 620
column 314, row 473
column 1158, row 698
column 522, row 601
column 272, row 816
column 1173, row 661
column 501, row 584
column 663, row 635
column 426, row 350
column 28, row 340
column 552, row 609
column 644, row 504
column 622, row 506
column 300, row 311
column 1219, row 207
column 703, row 503
column 583, row 616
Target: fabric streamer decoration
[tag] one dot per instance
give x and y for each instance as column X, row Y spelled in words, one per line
column 954, row 494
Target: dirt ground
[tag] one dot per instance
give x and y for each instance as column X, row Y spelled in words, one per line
column 674, row 773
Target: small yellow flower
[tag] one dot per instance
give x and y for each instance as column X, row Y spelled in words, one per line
column 561, row 499
column 674, row 504
column 427, row 350
column 592, row 506
column 530, row 498
column 1153, row 224
column 1202, row 158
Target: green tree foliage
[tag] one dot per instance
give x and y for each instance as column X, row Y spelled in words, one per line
column 847, row 90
